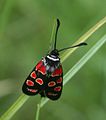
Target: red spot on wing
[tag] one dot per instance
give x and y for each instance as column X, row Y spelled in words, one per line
column 39, row 65
column 57, row 88
column 57, row 72
column 32, row 90
column 59, row 80
column 51, row 84
column 33, row 74
column 39, row 81
column 41, row 68
column 29, row 83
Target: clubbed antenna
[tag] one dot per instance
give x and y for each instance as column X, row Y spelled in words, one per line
column 58, row 24
column 80, row 44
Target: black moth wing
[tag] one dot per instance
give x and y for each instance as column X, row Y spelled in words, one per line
column 55, row 84
column 36, row 81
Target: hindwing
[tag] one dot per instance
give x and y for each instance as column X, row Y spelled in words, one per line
column 55, row 84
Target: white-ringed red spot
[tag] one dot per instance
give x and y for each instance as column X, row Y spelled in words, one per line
column 51, row 84
column 42, row 70
column 59, row 80
column 30, row 83
column 57, row 72
column 39, row 65
column 33, row 75
column 57, row 88
column 32, row 90
column 39, row 81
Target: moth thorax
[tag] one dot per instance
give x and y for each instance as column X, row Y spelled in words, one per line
column 53, row 58
column 51, row 63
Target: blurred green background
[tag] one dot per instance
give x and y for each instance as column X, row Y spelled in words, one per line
column 25, row 30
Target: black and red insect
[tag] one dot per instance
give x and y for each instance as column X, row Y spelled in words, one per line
column 46, row 78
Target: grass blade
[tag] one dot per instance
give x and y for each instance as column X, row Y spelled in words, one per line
column 80, row 64
column 84, row 38
column 15, row 107
column 84, row 59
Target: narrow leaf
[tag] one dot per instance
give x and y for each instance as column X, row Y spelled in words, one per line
column 80, row 64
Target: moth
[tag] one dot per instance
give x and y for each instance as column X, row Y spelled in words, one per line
column 46, row 78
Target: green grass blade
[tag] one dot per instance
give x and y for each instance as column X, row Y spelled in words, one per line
column 83, row 38
column 38, row 109
column 14, row 108
column 80, row 63
column 84, row 59
column 51, row 38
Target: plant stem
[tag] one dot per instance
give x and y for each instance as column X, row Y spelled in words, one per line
column 51, row 38
column 37, row 112
column 38, row 109
column 79, row 64
column 83, row 38
column 14, row 108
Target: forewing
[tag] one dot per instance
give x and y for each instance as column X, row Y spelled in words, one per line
column 35, row 82
column 55, row 84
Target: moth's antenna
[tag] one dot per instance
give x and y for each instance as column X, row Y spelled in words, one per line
column 80, row 44
column 58, row 24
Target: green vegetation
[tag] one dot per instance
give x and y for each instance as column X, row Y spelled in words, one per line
column 25, row 29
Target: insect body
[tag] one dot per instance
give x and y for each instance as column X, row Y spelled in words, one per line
column 47, row 76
